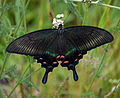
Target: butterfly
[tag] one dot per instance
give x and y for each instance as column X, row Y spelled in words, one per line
column 68, row 45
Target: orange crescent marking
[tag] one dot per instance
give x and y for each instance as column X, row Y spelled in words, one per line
column 44, row 63
column 79, row 54
column 66, row 62
column 58, row 57
column 62, row 57
column 41, row 58
column 54, row 63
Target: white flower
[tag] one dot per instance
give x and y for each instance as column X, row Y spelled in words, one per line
column 54, row 21
column 83, row 0
column 57, row 21
column 59, row 15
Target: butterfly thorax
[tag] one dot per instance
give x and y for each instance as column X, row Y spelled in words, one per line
column 60, row 39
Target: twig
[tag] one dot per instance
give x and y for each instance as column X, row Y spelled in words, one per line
column 98, row 2
column 113, row 89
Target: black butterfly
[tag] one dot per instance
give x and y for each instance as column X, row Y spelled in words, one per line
column 66, row 45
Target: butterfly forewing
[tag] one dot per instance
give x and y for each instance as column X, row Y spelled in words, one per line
column 87, row 37
column 33, row 44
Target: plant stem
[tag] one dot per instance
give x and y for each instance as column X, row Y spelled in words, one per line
column 107, row 5
column 96, row 72
column 22, row 90
column 30, row 70
column 99, row 3
column 13, row 90
column 3, row 6
column 22, row 80
column 6, row 56
column 30, row 74
column 19, row 81
column 24, row 17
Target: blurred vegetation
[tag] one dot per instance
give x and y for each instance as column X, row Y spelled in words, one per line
column 99, row 70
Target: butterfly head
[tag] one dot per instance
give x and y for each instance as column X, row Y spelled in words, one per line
column 60, row 26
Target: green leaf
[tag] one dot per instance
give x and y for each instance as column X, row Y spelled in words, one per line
column 117, row 89
column 88, row 94
column 32, row 84
column 1, row 96
column 74, row 10
column 32, row 96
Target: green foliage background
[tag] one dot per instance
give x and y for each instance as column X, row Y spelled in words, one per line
column 99, row 70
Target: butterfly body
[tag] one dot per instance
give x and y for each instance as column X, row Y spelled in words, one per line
column 66, row 45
